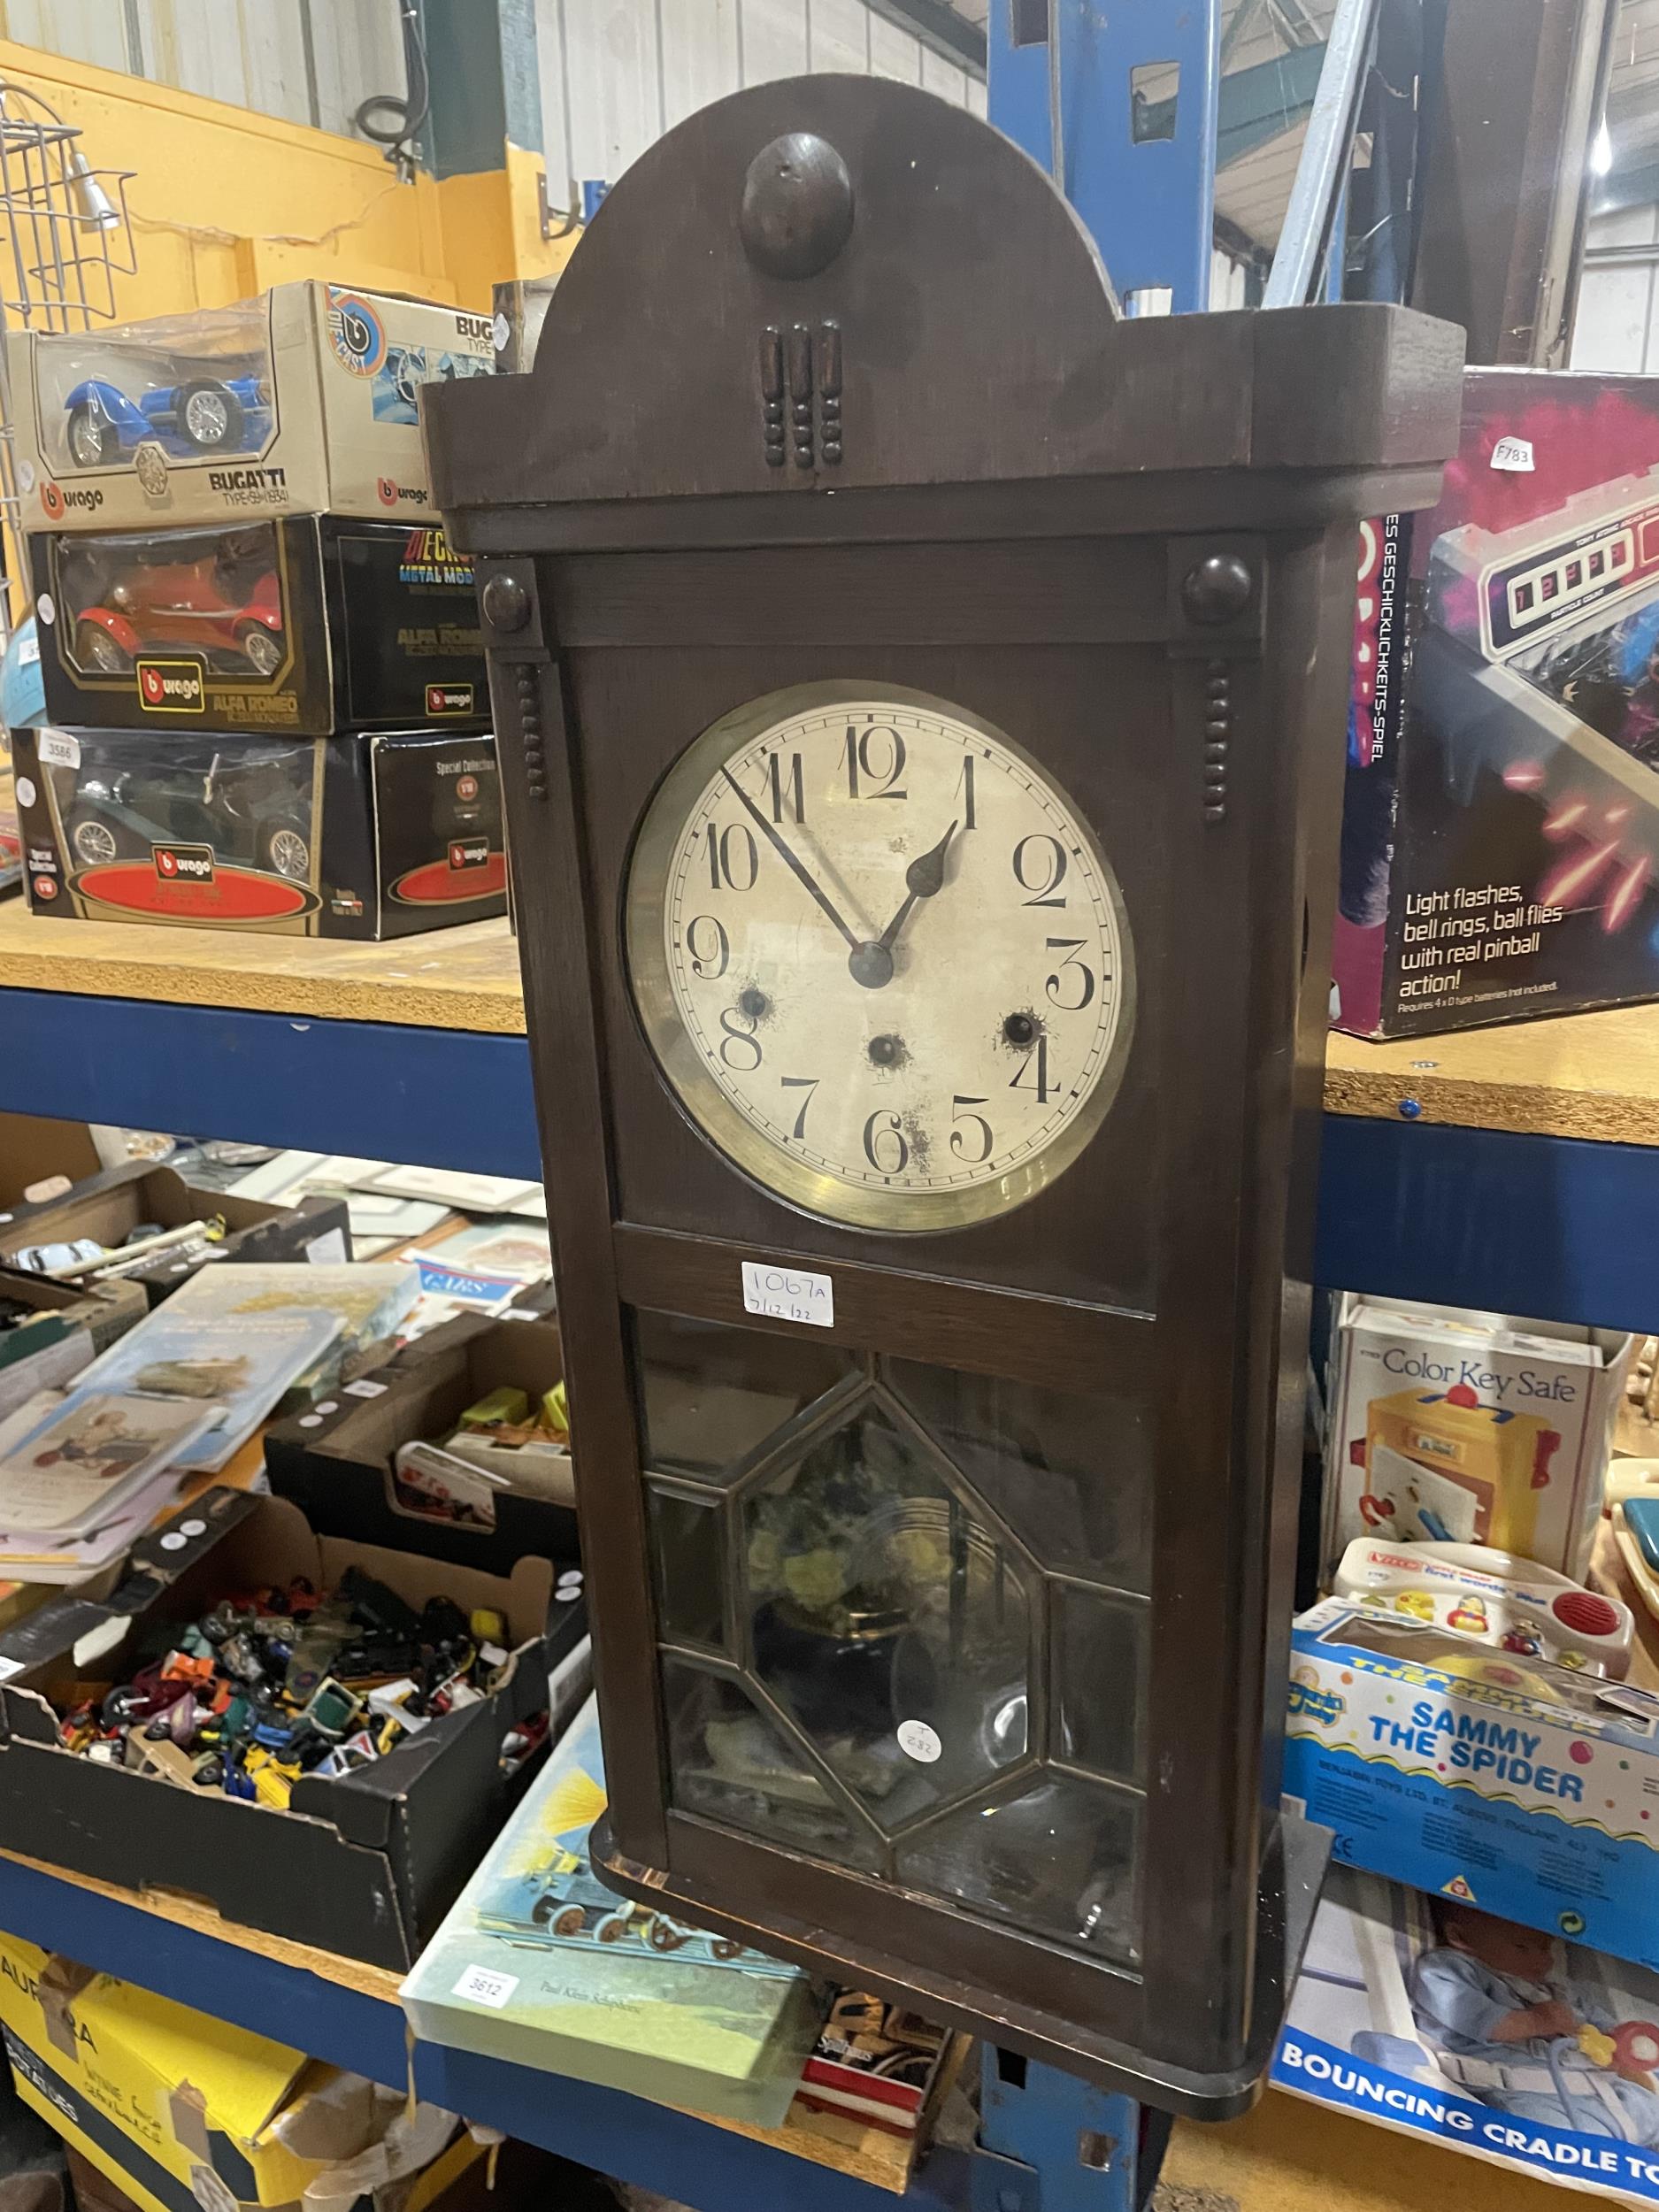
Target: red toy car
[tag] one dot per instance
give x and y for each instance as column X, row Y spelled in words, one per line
column 195, row 605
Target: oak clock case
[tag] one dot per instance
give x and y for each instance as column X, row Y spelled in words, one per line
column 930, row 1252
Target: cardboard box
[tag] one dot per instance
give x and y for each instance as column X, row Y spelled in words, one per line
column 540, row 1965
column 1391, row 2021
column 1500, row 828
column 364, row 1864
column 33, row 1149
column 360, row 837
column 107, row 1208
column 104, row 1310
column 1526, row 1788
column 1469, row 1428
column 302, row 400
column 302, row 626
column 346, row 1455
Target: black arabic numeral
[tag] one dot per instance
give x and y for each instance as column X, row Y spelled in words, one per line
column 1070, row 947
column 877, row 1129
column 732, row 1022
column 865, row 766
column 713, row 963
column 808, row 1084
column 721, row 873
column 1038, row 1060
column 789, row 788
column 1045, row 890
column 958, row 1117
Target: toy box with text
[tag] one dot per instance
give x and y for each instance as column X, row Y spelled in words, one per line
column 1429, row 2015
column 1501, row 826
column 301, row 627
column 360, row 1856
column 1448, row 1427
column 302, row 400
column 1526, row 1788
column 374, row 836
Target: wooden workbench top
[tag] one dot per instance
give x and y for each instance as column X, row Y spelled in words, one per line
column 1581, row 1075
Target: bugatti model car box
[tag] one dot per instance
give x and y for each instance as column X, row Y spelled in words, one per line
column 307, row 626
column 1500, row 831
column 1433, row 2017
column 370, row 836
column 1448, row 1426
column 302, row 400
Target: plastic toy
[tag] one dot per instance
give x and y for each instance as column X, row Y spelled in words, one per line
column 564, row 1902
column 1491, row 1598
column 251, row 813
column 1441, row 1465
column 198, row 605
column 204, row 414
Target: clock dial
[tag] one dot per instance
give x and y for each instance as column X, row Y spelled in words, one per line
column 880, row 955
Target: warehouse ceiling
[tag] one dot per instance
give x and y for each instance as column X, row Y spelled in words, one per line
column 1272, row 50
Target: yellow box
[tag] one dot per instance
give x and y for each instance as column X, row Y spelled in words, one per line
column 185, row 2113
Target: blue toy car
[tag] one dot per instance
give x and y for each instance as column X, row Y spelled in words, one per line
column 204, row 415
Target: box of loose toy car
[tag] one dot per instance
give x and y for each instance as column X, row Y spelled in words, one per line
column 1501, row 823
column 106, row 1208
column 363, row 1862
column 300, row 401
column 374, row 837
column 301, row 627
column 343, row 1455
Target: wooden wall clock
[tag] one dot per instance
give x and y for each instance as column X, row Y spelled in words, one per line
column 921, row 699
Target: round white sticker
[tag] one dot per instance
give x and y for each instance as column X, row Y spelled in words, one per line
column 919, row 1742
column 193, row 1528
column 46, row 608
column 26, row 791
column 25, row 476
column 500, row 331
column 172, row 1541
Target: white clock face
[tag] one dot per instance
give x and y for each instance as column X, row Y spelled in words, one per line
column 879, row 956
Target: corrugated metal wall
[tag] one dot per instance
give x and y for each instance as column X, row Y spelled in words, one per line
column 617, row 74
column 310, row 61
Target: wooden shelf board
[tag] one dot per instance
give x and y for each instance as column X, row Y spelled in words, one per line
column 466, row 977
column 1594, row 1076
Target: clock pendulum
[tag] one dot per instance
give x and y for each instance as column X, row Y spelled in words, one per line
column 921, row 701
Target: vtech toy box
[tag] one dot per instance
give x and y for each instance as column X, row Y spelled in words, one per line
column 302, row 400
column 372, row 836
column 1501, row 826
column 1510, row 1784
column 306, row 625
column 1448, row 1427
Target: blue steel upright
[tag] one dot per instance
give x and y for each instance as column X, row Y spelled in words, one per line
column 1138, row 157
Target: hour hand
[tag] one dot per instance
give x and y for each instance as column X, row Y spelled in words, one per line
column 872, row 964
column 820, row 896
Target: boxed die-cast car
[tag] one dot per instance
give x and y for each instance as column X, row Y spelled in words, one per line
column 300, row 401
column 366, row 836
column 308, row 625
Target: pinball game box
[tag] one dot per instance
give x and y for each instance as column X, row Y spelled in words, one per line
column 1500, row 828
column 373, row 836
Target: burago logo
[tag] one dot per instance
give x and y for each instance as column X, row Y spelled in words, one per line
column 52, row 502
column 469, row 852
column 171, row 686
column 183, row 864
column 386, row 491
column 355, row 333
column 467, row 790
column 394, row 495
column 45, row 888
column 443, row 699
column 81, row 498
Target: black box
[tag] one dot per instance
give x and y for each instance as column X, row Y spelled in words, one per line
column 341, row 1462
column 304, row 627
column 109, row 1207
column 364, row 1864
column 1501, row 824
column 366, row 836
column 104, row 1310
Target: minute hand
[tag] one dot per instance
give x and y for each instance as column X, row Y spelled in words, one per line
column 792, row 863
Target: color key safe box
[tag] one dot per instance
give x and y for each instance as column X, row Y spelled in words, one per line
column 922, row 736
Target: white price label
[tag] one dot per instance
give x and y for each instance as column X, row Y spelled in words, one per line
column 58, row 749
column 788, row 1293
column 366, row 1389
column 1516, row 455
column 8, row 1667
column 919, row 1742
column 327, row 1250
column 483, row 1987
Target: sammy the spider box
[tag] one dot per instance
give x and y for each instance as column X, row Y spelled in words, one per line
column 1521, row 1787
column 1451, row 1426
